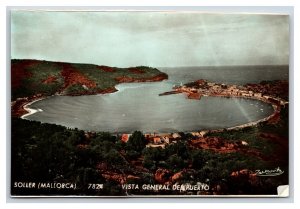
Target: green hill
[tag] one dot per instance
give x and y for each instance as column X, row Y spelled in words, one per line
column 45, row 78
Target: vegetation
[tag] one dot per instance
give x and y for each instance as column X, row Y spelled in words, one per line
column 254, row 136
column 55, row 154
column 33, row 83
column 52, row 153
column 32, row 77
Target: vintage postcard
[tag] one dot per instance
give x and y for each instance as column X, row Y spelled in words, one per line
column 149, row 103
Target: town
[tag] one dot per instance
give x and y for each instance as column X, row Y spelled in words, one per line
column 263, row 91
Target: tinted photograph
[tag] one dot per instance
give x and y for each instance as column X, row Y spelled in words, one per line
column 149, row 103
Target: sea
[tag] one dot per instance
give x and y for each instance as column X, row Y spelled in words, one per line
column 138, row 106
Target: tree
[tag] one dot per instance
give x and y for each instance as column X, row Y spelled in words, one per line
column 198, row 159
column 114, row 159
column 51, row 158
column 175, row 163
column 136, row 141
column 131, row 154
column 179, row 148
column 149, row 163
column 153, row 157
column 101, row 137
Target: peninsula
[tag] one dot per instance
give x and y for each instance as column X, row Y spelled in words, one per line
column 35, row 79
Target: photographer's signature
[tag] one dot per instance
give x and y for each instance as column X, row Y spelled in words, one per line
column 274, row 172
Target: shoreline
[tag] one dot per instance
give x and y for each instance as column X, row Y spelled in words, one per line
column 197, row 93
column 19, row 107
column 245, row 125
column 276, row 104
column 202, row 132
column 30, row 110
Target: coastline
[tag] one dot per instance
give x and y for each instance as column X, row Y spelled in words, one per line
column 19, row 107
column 27, row 111
column 245, row 125
column 69, row 79
column 30, row 110
column 204, row 132
column 196, row 92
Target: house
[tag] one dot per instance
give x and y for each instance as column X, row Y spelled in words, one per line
column 157, row 140
column 175, row 135
column 202, row 133
column 166, row 139
column 274, row 101
column 244, row 143
column 194, row 90
column 156, row 145
column 125, row 137
column 258, row 94
column 196, row 134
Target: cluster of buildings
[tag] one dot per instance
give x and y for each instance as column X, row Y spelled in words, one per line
column 204, row 88
column 162, row 139
column 156, row 140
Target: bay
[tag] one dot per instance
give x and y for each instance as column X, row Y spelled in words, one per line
column 138, row 106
